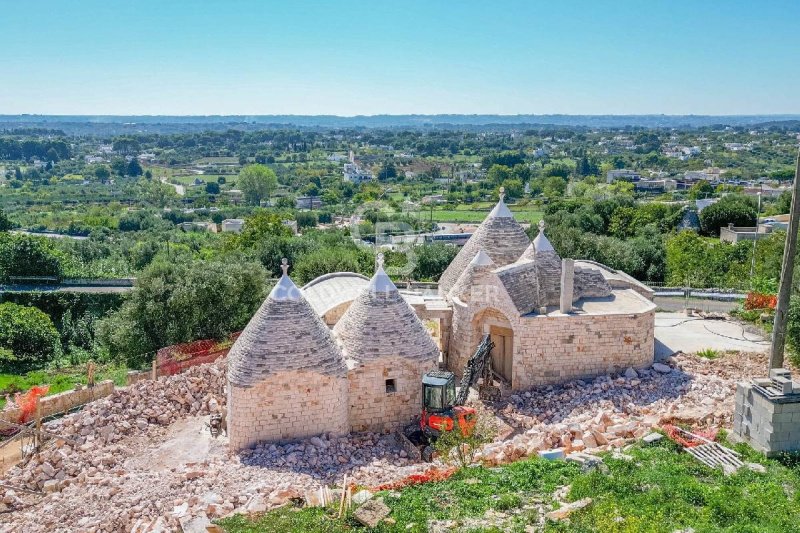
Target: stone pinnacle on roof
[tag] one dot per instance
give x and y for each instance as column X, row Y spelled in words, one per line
column 499, row 236
column 380, row 323
column 380, row 282
column 501, row 210
column 284, row 335
column 539, row 244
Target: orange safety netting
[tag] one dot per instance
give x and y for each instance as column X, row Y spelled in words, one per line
column 429, row 476
column 177, row 358
column 685, row 439
column 757, row 300
column 26, row 401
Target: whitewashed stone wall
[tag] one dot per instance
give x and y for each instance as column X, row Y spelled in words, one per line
column 371, row 407
column 287, row 406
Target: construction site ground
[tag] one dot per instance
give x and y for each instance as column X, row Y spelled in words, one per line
column 149, row 464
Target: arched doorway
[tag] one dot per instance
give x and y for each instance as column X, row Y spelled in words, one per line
column 493, row 323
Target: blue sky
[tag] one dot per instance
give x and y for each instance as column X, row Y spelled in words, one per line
column 372, row 57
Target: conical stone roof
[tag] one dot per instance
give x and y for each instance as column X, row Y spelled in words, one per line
column 284, row 335
column 540, row 244
column 472, row 275
column 499, row 236
column 380, row 323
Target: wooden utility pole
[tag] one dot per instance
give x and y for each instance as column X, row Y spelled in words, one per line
column 787, row 272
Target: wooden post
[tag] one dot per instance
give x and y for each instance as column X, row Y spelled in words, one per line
column 154, row 375
column 787, row 272
column 37, row 436
column 344, row 495
column 90, row 375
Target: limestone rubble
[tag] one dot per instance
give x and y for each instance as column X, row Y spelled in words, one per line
column 140, row 460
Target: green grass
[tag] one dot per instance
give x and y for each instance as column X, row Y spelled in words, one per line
column 59, row 380
column 532, row 215
column 660, row 490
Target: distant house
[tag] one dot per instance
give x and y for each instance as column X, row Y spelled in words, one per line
column 232, row 225
column 235, row 195
column 354, row 174
column 622, row 175
column 433, row 199
column 734, row 234
column 308, row 202
column 198, row 226
column 655, row 185
column 767, row 191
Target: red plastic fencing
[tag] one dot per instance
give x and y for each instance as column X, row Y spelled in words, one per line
column 177, row 358
column 429, row 476
column 683, row 438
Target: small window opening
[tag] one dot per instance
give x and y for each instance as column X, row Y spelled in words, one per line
column 391, row 386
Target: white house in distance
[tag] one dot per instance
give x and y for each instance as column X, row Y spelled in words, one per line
column 622, row 174
column 232, row 225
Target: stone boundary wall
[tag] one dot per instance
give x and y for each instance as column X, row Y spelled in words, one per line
column 64, row 401
column 287, row 406
column 554, row 349
column 135, row 376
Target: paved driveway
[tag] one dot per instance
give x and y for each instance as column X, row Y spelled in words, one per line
column 675, row 332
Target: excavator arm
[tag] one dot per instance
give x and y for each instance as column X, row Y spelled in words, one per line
column 478, row 365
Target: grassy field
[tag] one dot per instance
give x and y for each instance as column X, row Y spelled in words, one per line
column 523, row 214
column 656, row 489
column 58, row 380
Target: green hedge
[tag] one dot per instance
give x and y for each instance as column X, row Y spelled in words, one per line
column 73, row 313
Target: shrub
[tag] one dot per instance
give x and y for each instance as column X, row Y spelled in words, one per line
column 733, row 209
column 28, row 338
column 460, row 447
column 179, row 302
column 22, row 255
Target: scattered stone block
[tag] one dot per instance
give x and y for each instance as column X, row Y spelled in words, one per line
column 361, row 497
column 661, row 368
column 630, row 373
column 567, row 509
column 51, row 485
column 372, row 513
column 652, row 438
column 552, row 455
column 755, row 467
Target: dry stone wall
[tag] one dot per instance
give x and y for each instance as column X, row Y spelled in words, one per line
column 287, row 406
column 63, row 401
column 557, row 348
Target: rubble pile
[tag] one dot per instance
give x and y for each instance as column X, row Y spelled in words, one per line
column 611, row 411
column 140, row 460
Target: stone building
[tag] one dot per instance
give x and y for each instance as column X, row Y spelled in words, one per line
column 347, row 353
column 388, row 350
column 287, row 378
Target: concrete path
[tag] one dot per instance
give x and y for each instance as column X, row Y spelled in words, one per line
column 675, row 332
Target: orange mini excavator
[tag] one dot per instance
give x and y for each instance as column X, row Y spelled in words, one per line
column 442, row 408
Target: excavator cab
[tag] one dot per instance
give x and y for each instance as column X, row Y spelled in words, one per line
column 438, row 391
column 439, row 412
